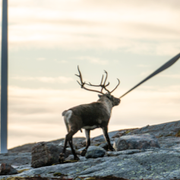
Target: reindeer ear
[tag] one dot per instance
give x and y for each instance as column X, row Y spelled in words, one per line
column 99, row 95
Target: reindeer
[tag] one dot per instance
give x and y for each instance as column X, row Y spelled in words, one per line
column 90, row 116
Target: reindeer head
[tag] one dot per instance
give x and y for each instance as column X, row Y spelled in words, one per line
column 115, row 101
column 103, row 85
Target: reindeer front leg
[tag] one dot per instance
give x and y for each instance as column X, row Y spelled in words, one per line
column 88, row 142
column 105, row 132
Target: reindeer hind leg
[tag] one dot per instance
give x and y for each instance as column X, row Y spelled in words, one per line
column 62, row 155
column 72, row 149
column 69, row 139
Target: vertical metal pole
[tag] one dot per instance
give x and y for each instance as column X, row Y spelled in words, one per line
column 4, row 77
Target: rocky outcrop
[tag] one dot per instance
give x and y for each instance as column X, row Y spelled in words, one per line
column 157, row 157
column 160, row 130
column 16, row 159
column 143, row 141
column 159, row 164
column 44, row 154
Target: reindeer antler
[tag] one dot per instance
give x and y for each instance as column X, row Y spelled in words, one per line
column 83, row 83
column 102, row 84
column 116, row 86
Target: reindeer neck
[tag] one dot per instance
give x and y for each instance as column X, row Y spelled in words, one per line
column 107, row 103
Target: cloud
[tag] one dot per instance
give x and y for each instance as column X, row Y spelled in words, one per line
column 35, row 114
column 168, row 48
column 142, row 65
column 59, row 79
column 76, row 28
column 41, row 59
column 61, row 61
column 131, row 26
column 93, row 60
column 174, row 76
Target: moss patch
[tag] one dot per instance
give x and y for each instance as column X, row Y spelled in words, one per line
column 128, row 131
column 59, row 174
column 22, row 170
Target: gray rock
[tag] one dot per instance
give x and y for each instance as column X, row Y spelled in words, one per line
column 155, row 163
column 16, row 158
column 70, row 158
column 104, row 146
column 44, row 154
column 143, row 141
column 6, row 169
column 160, row 130
column 125, row 152
column 95, row 152
column 169, row 142
column 112, row 135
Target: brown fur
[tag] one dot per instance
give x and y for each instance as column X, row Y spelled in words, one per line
column 89, row 117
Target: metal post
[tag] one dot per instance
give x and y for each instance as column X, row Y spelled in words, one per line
column 4, row 77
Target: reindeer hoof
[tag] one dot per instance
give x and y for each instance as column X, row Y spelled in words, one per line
column 111, row 149
column 61, row 158
column 83, row 152
column 76, row 158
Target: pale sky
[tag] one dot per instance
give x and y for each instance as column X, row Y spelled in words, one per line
column 129, row 39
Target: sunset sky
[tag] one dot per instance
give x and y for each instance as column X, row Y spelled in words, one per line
column 129, row 39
